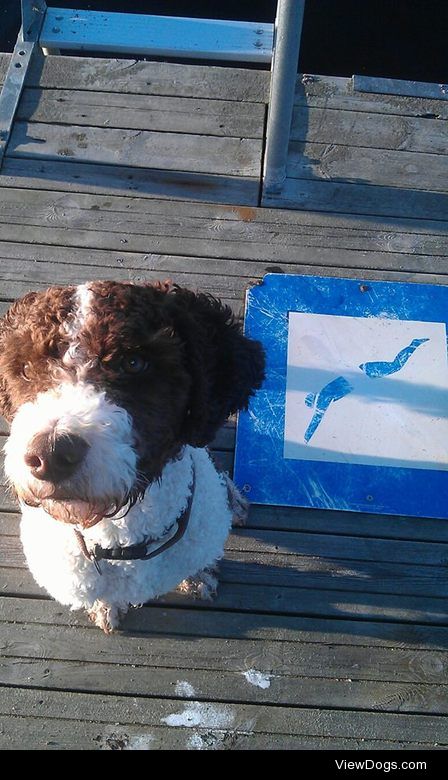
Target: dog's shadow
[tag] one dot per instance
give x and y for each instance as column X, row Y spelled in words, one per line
column 304, row 598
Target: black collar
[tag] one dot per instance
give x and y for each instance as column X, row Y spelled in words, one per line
column 138, row 552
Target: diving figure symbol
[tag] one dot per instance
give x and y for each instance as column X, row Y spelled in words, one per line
column 340, row 387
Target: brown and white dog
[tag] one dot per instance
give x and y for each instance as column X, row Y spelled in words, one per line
column 113, row 390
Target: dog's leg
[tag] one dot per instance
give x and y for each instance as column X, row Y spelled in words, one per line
column 202, row 586
column 105, row 616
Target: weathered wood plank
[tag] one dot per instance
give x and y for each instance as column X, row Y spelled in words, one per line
column 319, row 195
column 282, row 600
column 359, row 199
column 142, row 112
column 362, row 129
column 338, row 573
column 232, row 216
column 9, row 523
column 388, row 696
column 352, row 547
column 352, row 524
column 7, row 501
column 225, row 438
column 334, row 92
column 137, row 148
column 52, row 230
column 282, row 661
column 35, row 275
column 57, row 734
column 19, row 582
column 252, row 718
column 240, row 234
column 324, row 603
column 340, row 163
column 147, row 183
column 44, row 265
column 183, row 255
column 146, row 78
column 191, row 622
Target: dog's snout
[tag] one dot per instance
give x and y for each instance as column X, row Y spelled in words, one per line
column 53, row 458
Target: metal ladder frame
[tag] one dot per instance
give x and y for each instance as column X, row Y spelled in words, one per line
column 42, row 33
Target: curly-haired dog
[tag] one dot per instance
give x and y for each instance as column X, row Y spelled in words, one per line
column 113, row 390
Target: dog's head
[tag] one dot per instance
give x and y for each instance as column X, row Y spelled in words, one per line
column 104, row 383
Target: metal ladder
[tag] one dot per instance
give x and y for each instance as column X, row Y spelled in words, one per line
column 50, row 30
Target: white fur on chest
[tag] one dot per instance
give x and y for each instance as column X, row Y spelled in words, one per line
column 56, row 561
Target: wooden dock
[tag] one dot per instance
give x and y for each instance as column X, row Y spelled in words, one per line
column 330, row 630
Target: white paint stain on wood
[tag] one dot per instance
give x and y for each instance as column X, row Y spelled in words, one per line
column 202, row 714
column 184, row 689
column 259, row 679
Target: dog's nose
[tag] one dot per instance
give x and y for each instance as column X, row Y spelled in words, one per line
column 55, row 458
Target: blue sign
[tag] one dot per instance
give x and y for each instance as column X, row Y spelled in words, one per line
column 353, row 414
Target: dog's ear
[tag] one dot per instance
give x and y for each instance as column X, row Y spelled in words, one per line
column 5, row 400
column 6, row 326
column 9, row 324
column 226, row 368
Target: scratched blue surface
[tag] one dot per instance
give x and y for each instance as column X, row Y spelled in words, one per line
column 261, row 469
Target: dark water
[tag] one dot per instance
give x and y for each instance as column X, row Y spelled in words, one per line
column 404, row 39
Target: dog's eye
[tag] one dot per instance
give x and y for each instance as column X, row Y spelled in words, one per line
column 26, row 372
column 133, row 364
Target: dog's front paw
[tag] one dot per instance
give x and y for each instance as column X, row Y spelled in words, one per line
column 105, row 616
column 202, row 586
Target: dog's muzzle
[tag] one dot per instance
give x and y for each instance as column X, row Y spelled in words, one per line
column 71, row 451
column 53, row 457
column 52, row 460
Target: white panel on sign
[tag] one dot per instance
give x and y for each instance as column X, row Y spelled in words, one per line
column 366, row 390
